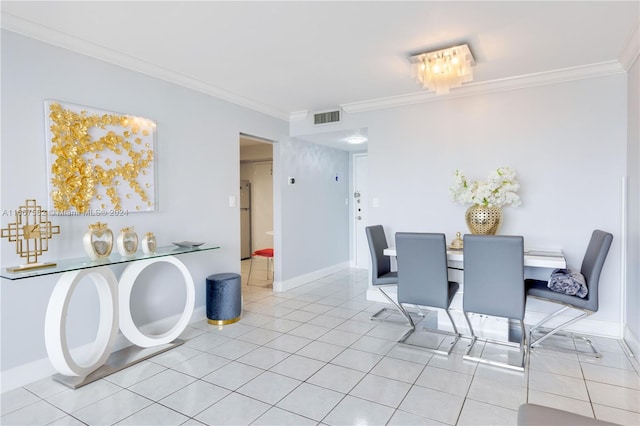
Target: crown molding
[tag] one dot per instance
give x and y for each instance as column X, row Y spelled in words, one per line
column 48, row 35
column 500, row 85
column 299, row 115
column 631, row 48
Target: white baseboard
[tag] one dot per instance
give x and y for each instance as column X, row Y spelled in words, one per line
column 26, row 373
column 286, row 285
column 37, row 370
column 589, row 326
column 632, row 341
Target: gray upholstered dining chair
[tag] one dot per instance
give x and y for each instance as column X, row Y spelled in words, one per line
column 423, row 279
column 494, row 286
column 381, row 274
column 591, row 268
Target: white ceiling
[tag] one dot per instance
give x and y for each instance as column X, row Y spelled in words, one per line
column 286, row 57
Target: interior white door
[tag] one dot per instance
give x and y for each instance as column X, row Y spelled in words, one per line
column 360, row 210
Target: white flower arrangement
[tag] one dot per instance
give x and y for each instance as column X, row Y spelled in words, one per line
column 500, row 189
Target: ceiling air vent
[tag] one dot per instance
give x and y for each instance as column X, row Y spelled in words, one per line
column 326, row 117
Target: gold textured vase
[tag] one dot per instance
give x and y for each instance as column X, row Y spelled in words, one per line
column 483, row 220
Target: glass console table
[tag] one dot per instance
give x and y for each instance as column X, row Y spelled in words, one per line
column 115, row 313
column 114, row 259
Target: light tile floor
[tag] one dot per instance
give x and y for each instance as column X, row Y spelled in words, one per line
column 311, row 356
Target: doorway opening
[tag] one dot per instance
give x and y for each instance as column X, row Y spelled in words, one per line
column 256, row 211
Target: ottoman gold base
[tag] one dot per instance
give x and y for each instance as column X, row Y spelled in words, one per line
column 223, row 322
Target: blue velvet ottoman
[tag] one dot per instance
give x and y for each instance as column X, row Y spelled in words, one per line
column 224, row 298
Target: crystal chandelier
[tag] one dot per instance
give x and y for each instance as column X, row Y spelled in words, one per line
column 443, row 69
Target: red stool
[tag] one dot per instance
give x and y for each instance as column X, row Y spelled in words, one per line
column 266, row 252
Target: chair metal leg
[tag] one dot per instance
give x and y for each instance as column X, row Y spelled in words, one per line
column 268, row 262
column 522, row 348
column 453, row 324
column 407, row 316
column 273, row 271
column 375, row 316
column 418, row 312
column 398, row 308
column 403, row 339
column 250, row 266
column 267, row 268
column 466, row 318
column 557, row 329
column 548, row 317
column 548, row 332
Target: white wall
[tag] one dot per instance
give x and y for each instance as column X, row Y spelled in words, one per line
column 197, row 171
column 632, row 331
column 314, row 210
column 567, row 141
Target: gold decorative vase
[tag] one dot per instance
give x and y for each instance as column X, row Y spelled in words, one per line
column 149, row 243
column 483, row 220
column 98, row 241
column 127, row 242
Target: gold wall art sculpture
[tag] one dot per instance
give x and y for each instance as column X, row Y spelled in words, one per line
column 100, row 163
